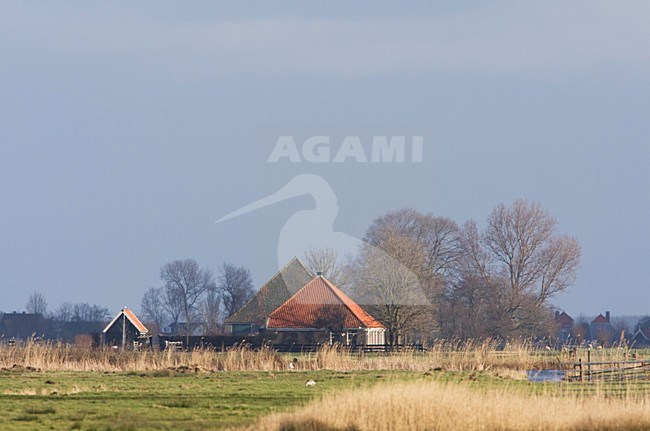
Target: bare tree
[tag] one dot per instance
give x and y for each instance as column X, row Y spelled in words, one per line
column 84, row 312
column 390, row 291
column 36, row 304
column 211, row 311
column 428, row 246
column 80, row 312
column 326, row 261
column 153, row 306
column 63, row 313
column 186, row 282
column 436, row 237
column 235, row 286
column 522, row 259
column 172, row 303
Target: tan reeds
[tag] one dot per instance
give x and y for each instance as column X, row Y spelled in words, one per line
column 444, row 355
column 457, row 406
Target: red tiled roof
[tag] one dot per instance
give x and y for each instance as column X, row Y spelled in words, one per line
column 564, row 319
column 303, row 310
column 600, row 319
column 132, row 318
column 136, row 322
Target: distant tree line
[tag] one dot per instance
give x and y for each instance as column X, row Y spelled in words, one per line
column 67, row 312
column 422, row 276
column 427, row 277
column 193, row 294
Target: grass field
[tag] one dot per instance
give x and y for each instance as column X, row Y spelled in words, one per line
column 171, row 400
column 52, row 388
column 185, row 400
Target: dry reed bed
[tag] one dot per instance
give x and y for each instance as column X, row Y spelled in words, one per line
column 447, row 406
column 445, row 356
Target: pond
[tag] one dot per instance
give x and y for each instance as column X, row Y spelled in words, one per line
column 545, row 375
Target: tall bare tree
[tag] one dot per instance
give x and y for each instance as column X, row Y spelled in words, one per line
column 235, row 286
column 172, row 303
column 210, row 310
column 523, row 260
column 326, row 260
column 36, row 304
column 389, row 290
column 428, row 246
column 185, row 283
column 153, row 306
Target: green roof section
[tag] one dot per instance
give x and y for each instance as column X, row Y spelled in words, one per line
column 282, row 286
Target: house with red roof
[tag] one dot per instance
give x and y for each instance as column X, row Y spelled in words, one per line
column 126, row 331
column 275, row 292
column 321, row 313
column 601, row 329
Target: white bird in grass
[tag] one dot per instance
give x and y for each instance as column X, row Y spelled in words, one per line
column 310, row 383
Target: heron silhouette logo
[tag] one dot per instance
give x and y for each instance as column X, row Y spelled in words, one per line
column 314, row 228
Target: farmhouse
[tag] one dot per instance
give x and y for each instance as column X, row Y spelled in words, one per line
column 601, row 328
column 126, row 331
column 321, row 313
column 252, row 316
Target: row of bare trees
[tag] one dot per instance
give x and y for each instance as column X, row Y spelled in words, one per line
column 66, row 312
column 427, row 276
column 192, row 294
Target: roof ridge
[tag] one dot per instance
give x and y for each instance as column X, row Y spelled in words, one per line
column 347, row 301
column 132, row 318
column 267, row 283
column 362, row 316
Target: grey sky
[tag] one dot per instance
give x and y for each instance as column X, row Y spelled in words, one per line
column 125, row 132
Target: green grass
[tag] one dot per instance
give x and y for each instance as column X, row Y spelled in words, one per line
column 163, row 401
column 169, row 400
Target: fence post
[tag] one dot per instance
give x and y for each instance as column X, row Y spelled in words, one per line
column 580, row 368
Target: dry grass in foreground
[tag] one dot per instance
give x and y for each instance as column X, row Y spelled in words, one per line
column 445, row 356
column 448, row 406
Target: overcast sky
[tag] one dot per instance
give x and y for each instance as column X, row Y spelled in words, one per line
column 125, row 133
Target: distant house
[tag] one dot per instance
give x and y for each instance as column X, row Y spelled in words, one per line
column 23, row 326
column 601, row 329
column 641, row 338
column 126, row 331
column 252, row 316
column 563, row 325
column 319, row 313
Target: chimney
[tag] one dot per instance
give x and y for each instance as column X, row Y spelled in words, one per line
column 607, row 315
column 557, row 314
column 319, row 273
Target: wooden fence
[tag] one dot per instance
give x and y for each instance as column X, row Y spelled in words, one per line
column 621, row 370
